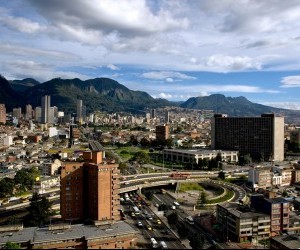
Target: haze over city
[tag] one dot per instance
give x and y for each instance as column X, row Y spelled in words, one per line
column 170, row 49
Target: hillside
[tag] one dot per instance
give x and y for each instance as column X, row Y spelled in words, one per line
column 237, row 106
column 10, row 97
column 97, row 94
column 22, row 85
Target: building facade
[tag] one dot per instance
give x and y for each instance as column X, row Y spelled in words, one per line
column 193, row 155
column 162, row 132
column 261, row 137
column 90, row 189
column 2, row 113
column 45, row 112
column 239, row 224
column 277, row 208
column 28, row 112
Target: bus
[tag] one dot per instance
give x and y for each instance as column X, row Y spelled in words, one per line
column 154, row 243
column 180, row 175
column 136, row 210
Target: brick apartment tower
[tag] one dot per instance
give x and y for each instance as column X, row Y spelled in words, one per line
column 2, row 113
column 162, row 132
column 90, row 190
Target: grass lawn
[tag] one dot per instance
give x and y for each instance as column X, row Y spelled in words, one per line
column 127, row 152
column 190, row 186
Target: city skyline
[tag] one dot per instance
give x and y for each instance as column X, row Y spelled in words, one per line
column 170, row 49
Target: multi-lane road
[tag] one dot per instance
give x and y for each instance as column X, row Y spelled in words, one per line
column 149, row 224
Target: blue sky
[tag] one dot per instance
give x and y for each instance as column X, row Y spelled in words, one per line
column 173, row 49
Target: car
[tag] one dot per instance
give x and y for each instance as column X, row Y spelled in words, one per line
column 158, row 222
column 173, row 207
column 176, row 203
column 132, row 214
column 156, row 205
column 149, row 217
column 149, row 228
column 167, row 232
column 140, row 224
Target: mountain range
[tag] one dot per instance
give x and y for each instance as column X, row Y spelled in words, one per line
column 105, row 94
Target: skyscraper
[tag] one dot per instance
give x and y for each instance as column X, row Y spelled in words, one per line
column 153, row 113
column 90, row 190
column 261, row 137
column 167, row 117
column 45, row 109
column 38, row 114
column 17, row 113
column 2, row 113
column 28, row 114
column 79, row 111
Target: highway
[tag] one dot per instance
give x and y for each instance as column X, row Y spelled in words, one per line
column 148, row 219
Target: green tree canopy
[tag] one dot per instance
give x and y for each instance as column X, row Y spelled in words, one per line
column 141, row 157
column 39, row 211
column 221, row 175
column 197, row 241
column 6, row 187
column 172, row 218
column 11, row 245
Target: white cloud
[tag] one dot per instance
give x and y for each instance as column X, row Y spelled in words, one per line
column 168, row 76
column 290, row 81
column 232, row 62
column 40, row 71
column 284, row 105
column 21, row 24
column 112, row 67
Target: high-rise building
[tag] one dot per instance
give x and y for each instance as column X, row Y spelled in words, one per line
column 45, row 108
column 261, row 137
column 153, row 113
column 38, row 114
column 2, row 113
column 162, row 132
column 90, row 190
column 28, row 113
column 79, row 111
column 17, row 112
column 167, row 117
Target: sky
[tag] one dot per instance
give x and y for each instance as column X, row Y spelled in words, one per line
column 172, row 49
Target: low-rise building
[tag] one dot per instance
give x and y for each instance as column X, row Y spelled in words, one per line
column 117, row 235
column 193, row 155
column 285, row 242
column 240, row 224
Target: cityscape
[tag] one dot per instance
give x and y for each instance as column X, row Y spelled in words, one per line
column 171, row 178
column 148, row 124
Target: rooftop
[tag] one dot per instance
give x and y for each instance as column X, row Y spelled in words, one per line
column 40, row 235
column 290, row 241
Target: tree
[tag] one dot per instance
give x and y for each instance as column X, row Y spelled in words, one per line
column 221, row 175
column 203, row 198
column 11, row 245
column 183, row 231
column 145, row 142
column 24, row 178
column 6, row 187
column 284, row 193
column 39, row 211
column 197, row 241
column 122, row 167
column 148, row 194
column 172, row 218
column 141, row 157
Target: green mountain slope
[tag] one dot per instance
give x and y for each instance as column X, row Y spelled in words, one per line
column 97, row 94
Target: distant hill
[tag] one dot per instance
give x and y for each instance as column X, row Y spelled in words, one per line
column 97, row 94
column 10, row 97
column 236, row 106
column 22, row 85
column 105, row 94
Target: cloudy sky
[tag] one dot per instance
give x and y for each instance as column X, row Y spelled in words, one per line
column 173, row 49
